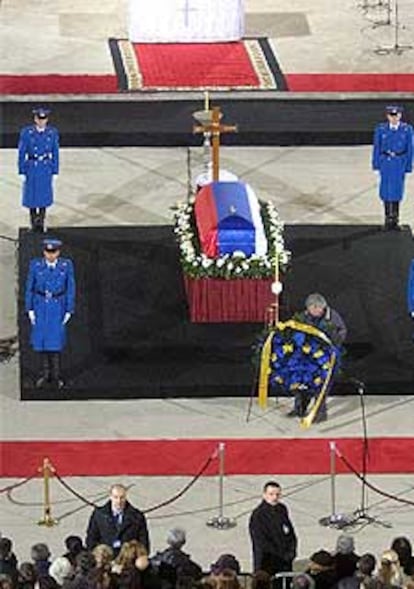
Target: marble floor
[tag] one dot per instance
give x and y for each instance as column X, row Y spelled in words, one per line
column 138, row 186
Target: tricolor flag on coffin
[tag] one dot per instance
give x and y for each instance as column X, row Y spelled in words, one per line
column 228, row 219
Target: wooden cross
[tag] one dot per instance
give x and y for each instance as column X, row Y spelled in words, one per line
column 215, row 129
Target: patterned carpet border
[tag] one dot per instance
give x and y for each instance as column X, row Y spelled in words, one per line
column 260, row 54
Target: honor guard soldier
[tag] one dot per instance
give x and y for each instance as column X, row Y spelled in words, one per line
column 50, row 303
column 38, row 162
column 392, row 156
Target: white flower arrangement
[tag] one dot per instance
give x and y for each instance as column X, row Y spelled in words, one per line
column 197, row 265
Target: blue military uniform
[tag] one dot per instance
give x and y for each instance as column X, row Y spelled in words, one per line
column 50, row 301
column 38, row 161
column 392, row 156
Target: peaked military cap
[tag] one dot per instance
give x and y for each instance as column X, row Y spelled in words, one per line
column 41, row 111
column 51, row 245
column 393, row 109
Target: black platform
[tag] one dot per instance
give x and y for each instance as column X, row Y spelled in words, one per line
column 165, row 119
column 131, row 336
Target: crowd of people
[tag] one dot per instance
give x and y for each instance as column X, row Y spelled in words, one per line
column 133, row 568
column 116, row 554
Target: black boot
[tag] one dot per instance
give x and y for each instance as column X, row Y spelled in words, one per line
column 41, row 219
column 388, row 216
column 301, row 404
column 45, row 377
column 33, row 217
column 293, row 412
column 56, row 376
column 395, row 215
column 304, row 403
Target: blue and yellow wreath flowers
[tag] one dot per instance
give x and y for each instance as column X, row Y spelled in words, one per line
column 296, row 355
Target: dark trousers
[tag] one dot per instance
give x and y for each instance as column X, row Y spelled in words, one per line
column 37, row 219
column 302, row 400
column 392, row 212
column 50, row 368
column 273, row 565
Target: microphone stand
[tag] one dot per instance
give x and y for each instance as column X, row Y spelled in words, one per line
column 366, row 5
column 381, row 5
column 360, row 515
column 396, row 48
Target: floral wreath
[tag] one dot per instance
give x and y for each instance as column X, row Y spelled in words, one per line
column 297, row 356
column 196, row 264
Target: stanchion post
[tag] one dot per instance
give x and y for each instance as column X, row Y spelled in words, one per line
column 47, row 471
column 220, row 522
column 332, row 447
column 335, row 520
column 221, row 478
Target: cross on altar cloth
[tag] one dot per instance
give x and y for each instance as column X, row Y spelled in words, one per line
column 185, row 21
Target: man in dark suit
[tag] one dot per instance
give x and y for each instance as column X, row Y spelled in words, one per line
column 117, row 522
column 272, row 534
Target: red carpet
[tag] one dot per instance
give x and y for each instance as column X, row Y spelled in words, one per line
column 108, row 84
column 350, row 82
column 185, row 457
column 239, row 65
column 58, row 84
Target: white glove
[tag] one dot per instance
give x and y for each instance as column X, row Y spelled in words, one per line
column 277, row 287
column 32, row 317
column 412, row 314
column 66, row 318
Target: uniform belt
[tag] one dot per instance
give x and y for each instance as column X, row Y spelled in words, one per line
column 50, row 295
column 40, row 158
column 394, row 153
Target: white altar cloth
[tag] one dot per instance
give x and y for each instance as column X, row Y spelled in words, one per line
column 185, row 21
